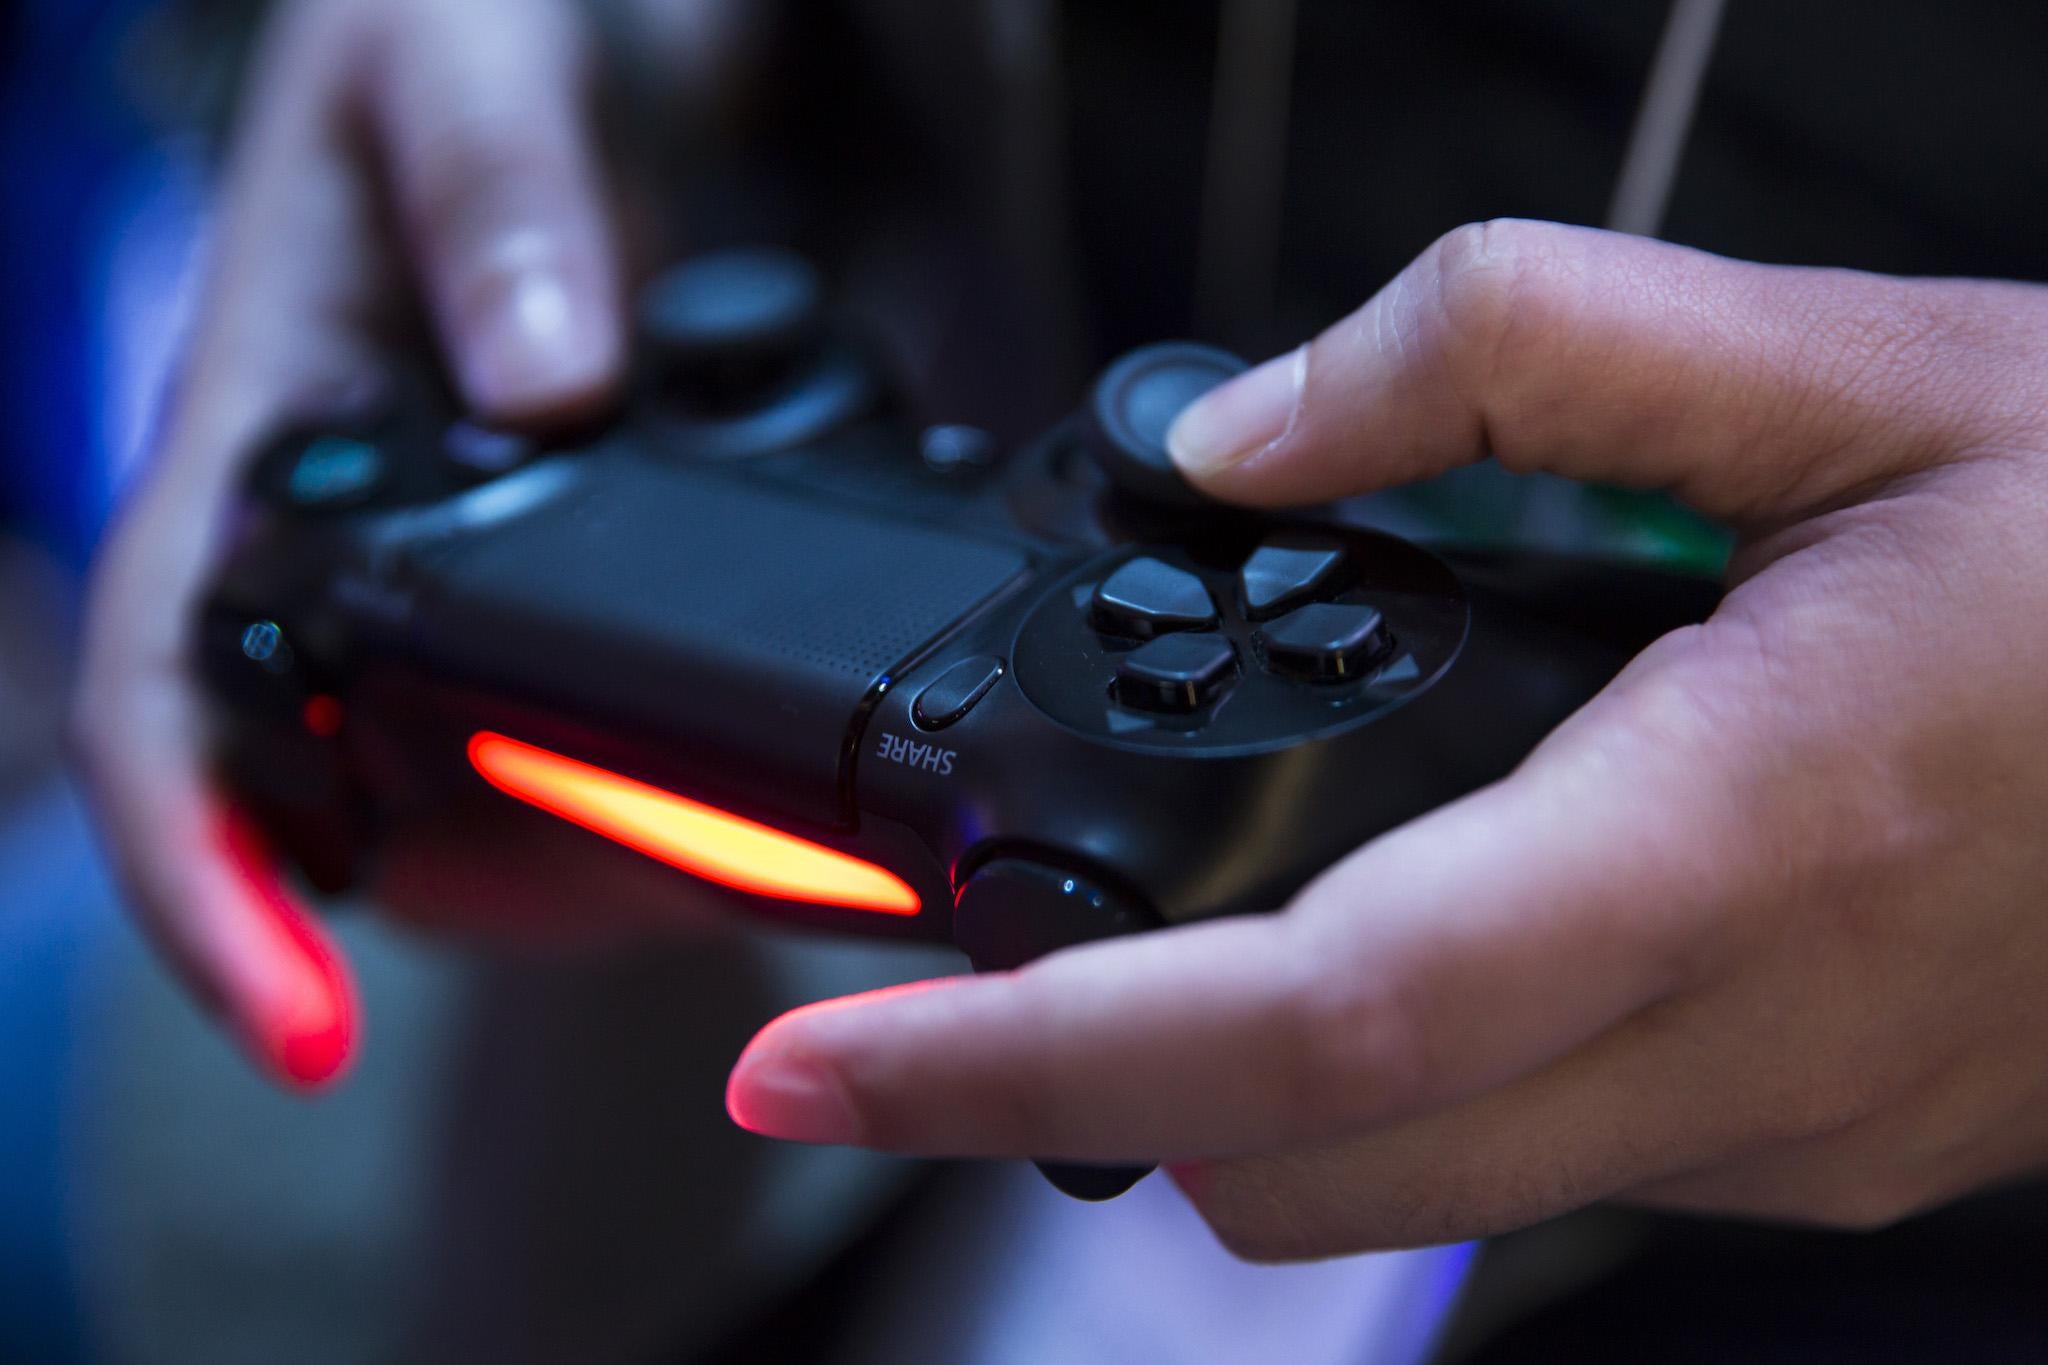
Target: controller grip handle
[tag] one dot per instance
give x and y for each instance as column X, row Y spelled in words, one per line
column 1014, row 911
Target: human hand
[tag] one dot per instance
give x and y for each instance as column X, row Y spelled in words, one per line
column 387, row 150
column 1763, row 930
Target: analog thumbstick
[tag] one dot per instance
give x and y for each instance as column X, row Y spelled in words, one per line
column 1135, row 403
column 723, row 328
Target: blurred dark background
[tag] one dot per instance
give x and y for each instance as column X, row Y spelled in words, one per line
column 157, row 1204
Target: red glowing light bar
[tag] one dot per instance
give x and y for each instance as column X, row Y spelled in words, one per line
column 699, row 839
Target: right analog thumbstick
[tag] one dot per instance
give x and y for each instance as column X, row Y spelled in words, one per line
column 1135, row 403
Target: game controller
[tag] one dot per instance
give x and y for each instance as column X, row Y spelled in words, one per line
column 863, row 673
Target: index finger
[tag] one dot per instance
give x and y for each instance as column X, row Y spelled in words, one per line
column 282, row 328
column 1463, row 950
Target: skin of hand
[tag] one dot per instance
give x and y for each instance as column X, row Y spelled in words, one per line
column 1762, row 931
column 394, row 157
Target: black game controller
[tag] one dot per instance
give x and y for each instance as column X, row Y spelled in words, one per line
column 868, row 675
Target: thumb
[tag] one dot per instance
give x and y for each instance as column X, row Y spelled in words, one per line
column 1754, row 392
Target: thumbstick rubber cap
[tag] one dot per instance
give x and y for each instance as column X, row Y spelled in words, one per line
column 1134, row 405
column 753, row 307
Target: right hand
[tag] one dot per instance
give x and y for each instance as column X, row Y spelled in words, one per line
column 386, row 147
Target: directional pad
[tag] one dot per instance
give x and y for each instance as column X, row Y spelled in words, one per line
column 1382, row 621
column 1279, row 576
column 1147, row 598
column 1176, row 674
column 1327, row 642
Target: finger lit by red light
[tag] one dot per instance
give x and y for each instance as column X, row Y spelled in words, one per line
column 699, row 839
column 301, row 1018
column 773, row 1094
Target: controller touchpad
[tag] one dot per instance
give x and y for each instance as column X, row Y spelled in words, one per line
column 747, row 624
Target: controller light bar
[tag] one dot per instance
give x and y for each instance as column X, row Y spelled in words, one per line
column 699, row 839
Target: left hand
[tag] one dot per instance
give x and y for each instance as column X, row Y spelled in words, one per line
column 1763, row 930
column 395, row 158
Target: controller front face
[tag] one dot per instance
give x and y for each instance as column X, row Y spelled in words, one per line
column 859, row 675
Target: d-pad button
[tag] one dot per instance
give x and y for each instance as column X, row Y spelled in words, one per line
column 1176, row 674
column 1280, row 576
column 1147, row 598
column 1327, row 642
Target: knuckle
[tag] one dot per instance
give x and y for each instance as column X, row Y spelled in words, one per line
column 1674, row 692
column 488, row 143
column 1498, row 288
column 1356, row 1047
column 466, row 182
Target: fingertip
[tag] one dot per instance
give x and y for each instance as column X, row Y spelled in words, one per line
column 287, row 983
column 795, row 1080
column 309, row 1048
column 311, row 1042
column 535, row 341
column 1231, row 425
column 786, row 1095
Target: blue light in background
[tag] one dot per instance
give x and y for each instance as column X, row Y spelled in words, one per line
column 96, row 226
column 96, row 235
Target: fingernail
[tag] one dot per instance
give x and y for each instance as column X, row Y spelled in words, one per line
column 531, row 342
column 1228, row 426
column 786, row 1097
